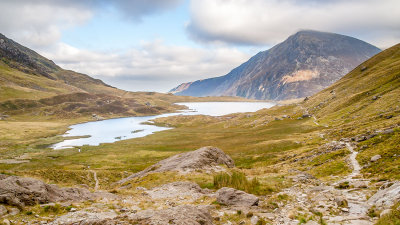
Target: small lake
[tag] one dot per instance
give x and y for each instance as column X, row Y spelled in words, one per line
column 112, row 130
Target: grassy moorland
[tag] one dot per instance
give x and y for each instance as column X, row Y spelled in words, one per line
column 267, row 144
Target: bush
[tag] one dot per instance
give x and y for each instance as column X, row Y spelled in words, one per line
column 238, row 181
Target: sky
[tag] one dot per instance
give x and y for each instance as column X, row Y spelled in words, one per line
column 155, row 45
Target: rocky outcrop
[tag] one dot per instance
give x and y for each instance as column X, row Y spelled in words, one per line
column 180, row 215
column 177, row 190
column 21, row 191
column 233, row 197
column 386, row 198
column 87, row 217
column 205, row 159
column 302, row 65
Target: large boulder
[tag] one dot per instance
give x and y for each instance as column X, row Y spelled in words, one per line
column 180, row 215
column 21, row 191
column 205, row 159
column 233, row 197
column 87, row 217
column 386, row 198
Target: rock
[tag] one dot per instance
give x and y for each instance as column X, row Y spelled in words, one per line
column 389, row 116
column 375, row 158
column 21, row 191
column 184, row 214
column 3, row 210
column 386, row 198
column 341, row 202
column 345, row 209
column 306, row 116
column 254, row 220
column 84, row 217
column 177, row 189
column 384, row 212
column 6, row 222
column 14, row 211
column 231, row 196
column 311, row 222
column 206, row 158
column 375, row 97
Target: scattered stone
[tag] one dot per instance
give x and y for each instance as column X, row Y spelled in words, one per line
column 384, row 212
column 306, row 116
column 3, row 210
column 231, row 196
column 311, row 222
column 345, row 209
column 21, row 191
column 375, row 158
column 375, row 97
column 254, row 220
column 389, row 117
column 13, row 211
column 207, row 159
column 341, row 202
column 6, row 222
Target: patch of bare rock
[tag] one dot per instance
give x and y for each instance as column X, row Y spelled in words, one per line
column 233, row 197
column 207, row 159
column 22, row 191
column 177, row 190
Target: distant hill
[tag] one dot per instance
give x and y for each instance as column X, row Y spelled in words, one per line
column 35, row 86
column 26, row 74
column 302, row 65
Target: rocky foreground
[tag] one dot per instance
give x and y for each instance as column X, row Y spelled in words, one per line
column 340, row 202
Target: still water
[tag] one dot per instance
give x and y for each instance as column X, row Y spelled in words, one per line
column 112, row 130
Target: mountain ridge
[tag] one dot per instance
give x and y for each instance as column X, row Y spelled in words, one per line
column 302, row 65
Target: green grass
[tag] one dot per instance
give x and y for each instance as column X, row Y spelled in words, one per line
column 238, row 181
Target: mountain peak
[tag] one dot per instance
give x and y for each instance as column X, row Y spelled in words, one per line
column 305, row 63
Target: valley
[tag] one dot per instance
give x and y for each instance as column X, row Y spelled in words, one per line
column 329, row 158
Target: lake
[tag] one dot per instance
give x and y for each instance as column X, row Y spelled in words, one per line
column 112, row 130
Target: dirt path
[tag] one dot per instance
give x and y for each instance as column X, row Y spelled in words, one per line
column 96, row 186
column 347, row 205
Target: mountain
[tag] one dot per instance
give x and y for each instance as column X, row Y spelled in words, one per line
column 27, row 74
column 32, row 85
column 302, row 65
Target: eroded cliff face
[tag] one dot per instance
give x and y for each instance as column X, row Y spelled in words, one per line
column 302, row 65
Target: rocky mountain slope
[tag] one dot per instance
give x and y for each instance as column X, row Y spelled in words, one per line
column 302, row 65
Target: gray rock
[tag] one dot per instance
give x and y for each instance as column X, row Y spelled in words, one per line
column 14, row 211
column 375, row 158
column 6, row 222
column 21, row 191
column 205, row 158
column 254, row 220
column 386, row 198
column 86, row 218
column 3, row 210
column 231, row 196
column 177, row 189
column 181, row 215
column 384, row 212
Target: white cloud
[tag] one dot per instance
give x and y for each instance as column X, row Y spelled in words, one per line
column 39, row 23
column 271, row 21
column 153, row 66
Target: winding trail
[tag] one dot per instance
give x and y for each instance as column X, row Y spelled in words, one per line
column 96, row 186
column 356, row 166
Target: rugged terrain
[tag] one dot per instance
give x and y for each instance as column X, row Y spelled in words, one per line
column 302, row 65
column 331, row 158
